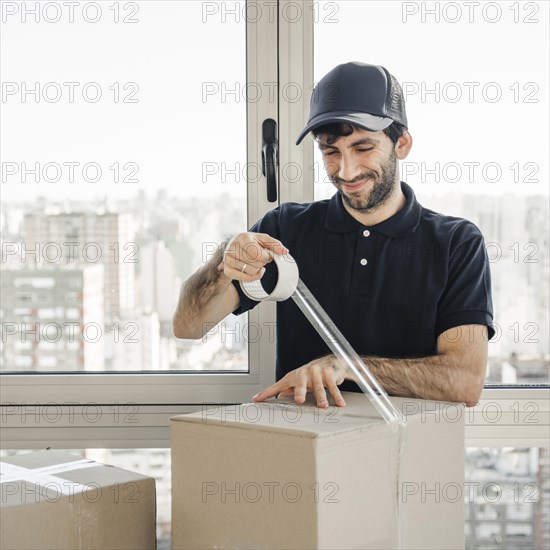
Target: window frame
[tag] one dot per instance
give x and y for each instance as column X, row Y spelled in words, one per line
column 121, row 424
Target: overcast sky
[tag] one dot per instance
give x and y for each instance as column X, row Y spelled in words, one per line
column 171, row 131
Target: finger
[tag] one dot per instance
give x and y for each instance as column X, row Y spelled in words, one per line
column 243, row 267
column 319, row 388
column 239, row 275
column 237, row 261
column 272, row 244
column 246, row 250
column 300, row 387
column 334, row 390
column 286, row 393
column 272, row 390
column 254, row 249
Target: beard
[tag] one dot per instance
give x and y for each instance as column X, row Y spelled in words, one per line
column 384, row 184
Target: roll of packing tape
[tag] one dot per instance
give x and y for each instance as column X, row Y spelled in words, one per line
column 287, row 281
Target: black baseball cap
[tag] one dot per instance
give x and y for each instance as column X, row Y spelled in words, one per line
column 367, row 96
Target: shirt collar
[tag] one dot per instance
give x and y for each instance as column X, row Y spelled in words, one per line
column 401, row 224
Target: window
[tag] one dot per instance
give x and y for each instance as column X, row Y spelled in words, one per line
column 120, row 180
column 147, row 186
column 468, row 159
column 465, row 75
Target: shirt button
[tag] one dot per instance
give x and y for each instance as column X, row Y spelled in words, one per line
column 366, row 233
column 363, row 262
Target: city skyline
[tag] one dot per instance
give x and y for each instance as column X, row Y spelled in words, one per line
column 177, row 237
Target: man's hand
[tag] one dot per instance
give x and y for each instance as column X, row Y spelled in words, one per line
column 208, row 296
column 325, row 372
column 246, row 254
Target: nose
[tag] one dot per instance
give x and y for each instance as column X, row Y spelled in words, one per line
column 349, row 168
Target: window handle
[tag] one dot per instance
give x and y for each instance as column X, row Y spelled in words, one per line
column 270, row 157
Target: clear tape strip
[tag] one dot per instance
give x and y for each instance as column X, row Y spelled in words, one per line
column 336, row 341
column 46, row 475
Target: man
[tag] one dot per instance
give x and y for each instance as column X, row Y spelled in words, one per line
column 408, row 287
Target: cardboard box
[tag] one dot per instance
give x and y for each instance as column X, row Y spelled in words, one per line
column 278, row 475
column 56, row 500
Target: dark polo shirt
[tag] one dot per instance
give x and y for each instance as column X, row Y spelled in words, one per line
column 391, row 288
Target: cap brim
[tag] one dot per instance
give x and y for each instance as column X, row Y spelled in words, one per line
column 362, row 120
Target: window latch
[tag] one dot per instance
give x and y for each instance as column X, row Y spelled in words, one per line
column 270, row 158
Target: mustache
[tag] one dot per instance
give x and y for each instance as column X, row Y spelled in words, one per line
column 365, row 175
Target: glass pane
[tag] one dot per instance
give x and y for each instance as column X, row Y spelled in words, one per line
column 507, row 498
column 475, row 78
column 123, row 148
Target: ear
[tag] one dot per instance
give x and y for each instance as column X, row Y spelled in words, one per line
column 403, row 145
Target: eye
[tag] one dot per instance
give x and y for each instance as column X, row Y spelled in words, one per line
column 365, row 150
column 329, row 153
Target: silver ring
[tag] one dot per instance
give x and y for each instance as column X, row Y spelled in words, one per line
column 244, row 267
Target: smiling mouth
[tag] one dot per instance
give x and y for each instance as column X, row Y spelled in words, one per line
column 355, row 186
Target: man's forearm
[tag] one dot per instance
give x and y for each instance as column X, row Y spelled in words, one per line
column 437, row 377
column 197, row 300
